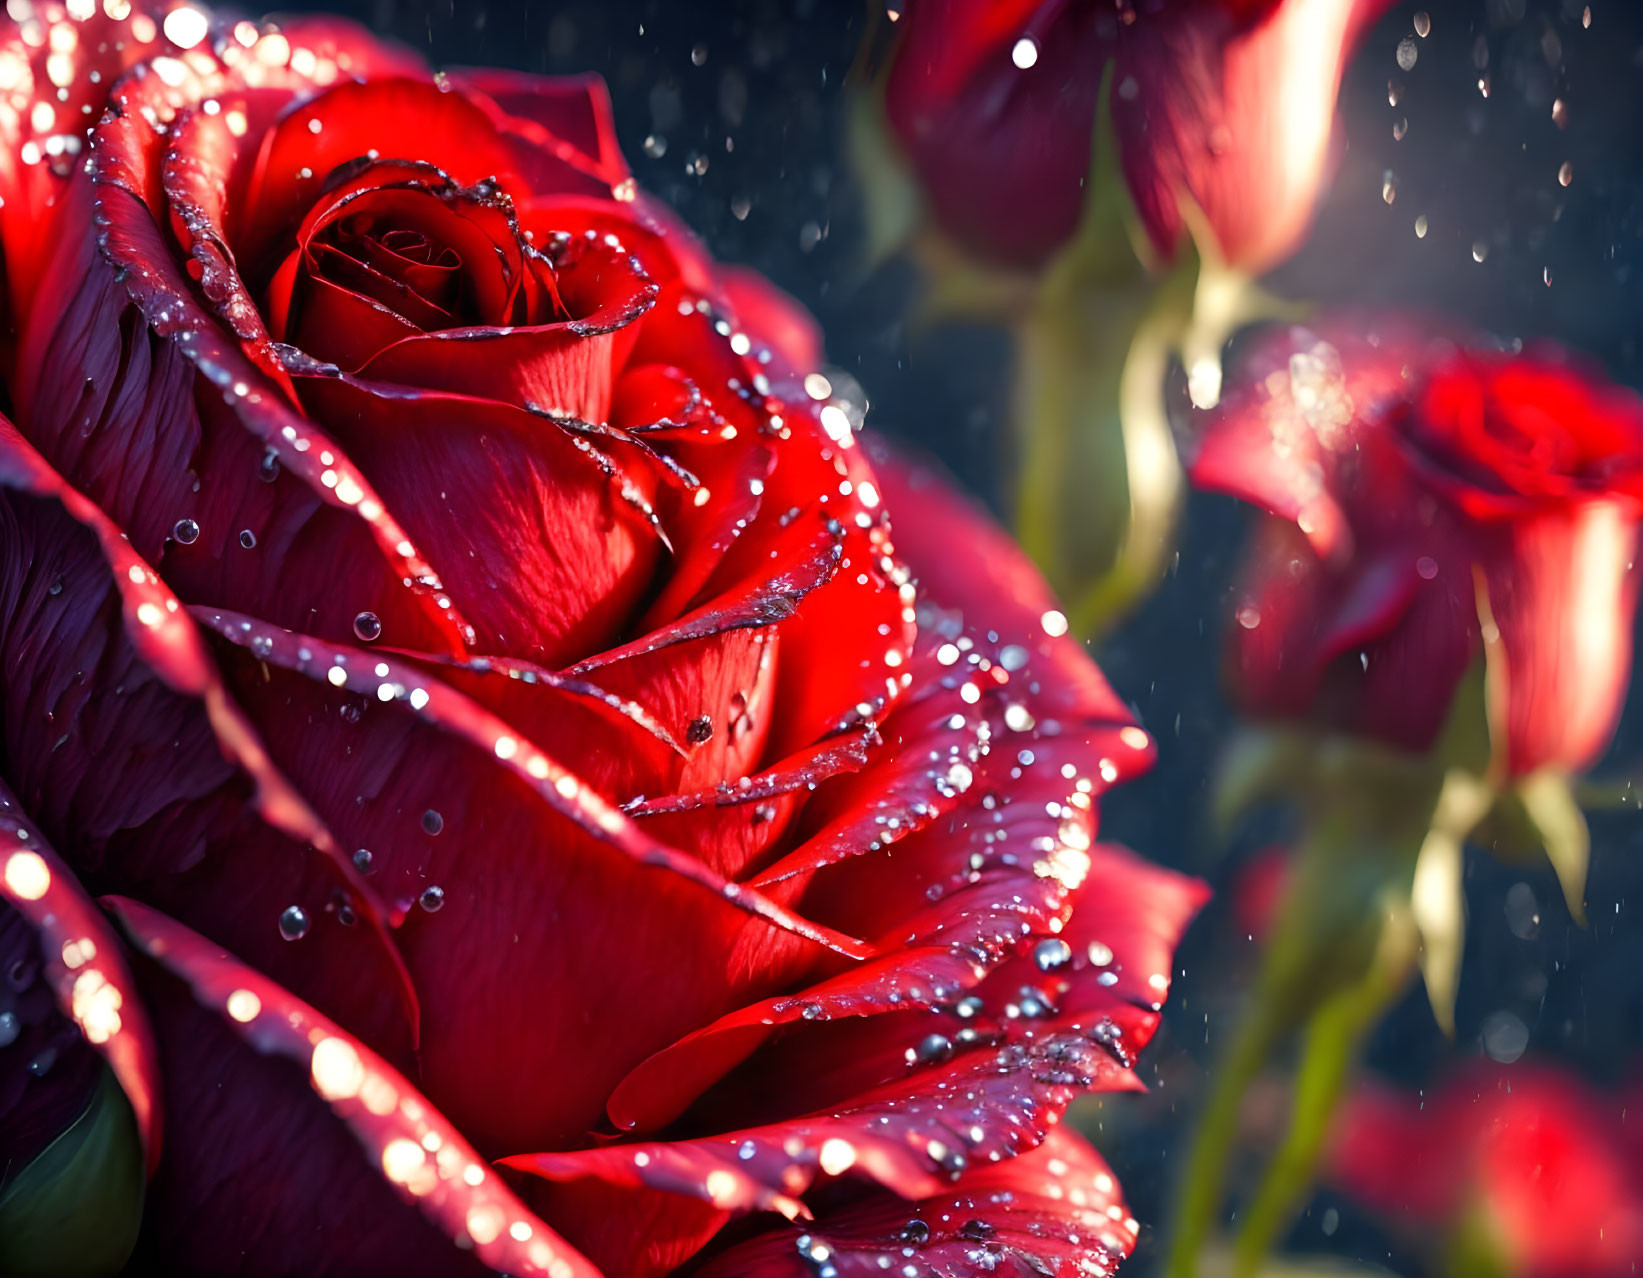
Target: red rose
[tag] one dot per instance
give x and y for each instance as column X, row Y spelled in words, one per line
column 1549, row 1172
column 1404, row 472
column 1225, row 106
column 444, row 635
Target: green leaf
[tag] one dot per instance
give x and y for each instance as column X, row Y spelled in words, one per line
column 75, row 1211
column 1548, row 798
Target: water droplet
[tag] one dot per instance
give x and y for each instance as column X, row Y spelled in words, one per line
column 655, row 146
column 362, row 860
column 248, row 539
column 1505, row 1037
column 1480, row 250
column 1427, row 567
column 367, row 626
column 294, row 923
column 10, row 1028
column 1025, row 53
column 1522, row 911
column 1051, row 953
column 1423, row 24
column 1408, row 54
column 432, row 822
column 1560, row 113
column 1566, row 174
column 185, row 532
column 915, row 1231
column 1400, row 130
column 1547, row 276
column 700, row 729
column 1389, row 186
column 268, row 470
column 933, row 1049
column 1420, row 227
column 41, row 1065
column 432, row 899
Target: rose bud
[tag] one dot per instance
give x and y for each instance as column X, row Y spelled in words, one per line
column 1222, row 111
column 1430, row 500
column 1525, row 1172
column 477, row 766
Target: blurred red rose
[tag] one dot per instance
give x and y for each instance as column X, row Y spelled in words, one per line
column 1223, row 105
column 1547, row 1171
column 1403, row 472
column 440, row 629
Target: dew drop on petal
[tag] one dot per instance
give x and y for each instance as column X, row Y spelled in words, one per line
column 367, row 626
column 432, row 899
column 362, row 860
column 248, row 539
column 294, row 923
column 432, row 822
column 185, row 532
column 1051, row 953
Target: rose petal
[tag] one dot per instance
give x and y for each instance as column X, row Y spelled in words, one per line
column 1055, row 1210
column 419, row 1152
column 84, row 964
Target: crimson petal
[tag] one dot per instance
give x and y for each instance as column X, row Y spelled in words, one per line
column 420, row 1153
column 84, row 962
column 1055, row 1212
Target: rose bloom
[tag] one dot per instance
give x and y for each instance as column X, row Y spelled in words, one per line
column 480, row 688
column 1417, row 486
column 1222, row 106
column 1550, row 1170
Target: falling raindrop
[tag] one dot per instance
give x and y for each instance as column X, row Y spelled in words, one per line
column 1423, row 24
column 1566, row 174
column 367, row 626
column 1407, row 53
column 185, row 532
column 294, row 923
column 1480, row 250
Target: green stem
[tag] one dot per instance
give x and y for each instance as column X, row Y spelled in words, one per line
column 1199, row 1205
column 1334, row 1041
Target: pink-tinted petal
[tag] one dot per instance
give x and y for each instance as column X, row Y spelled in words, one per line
column 84, row 964
column 1563, row 590
column 418, row 1151
column 1233, row 114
